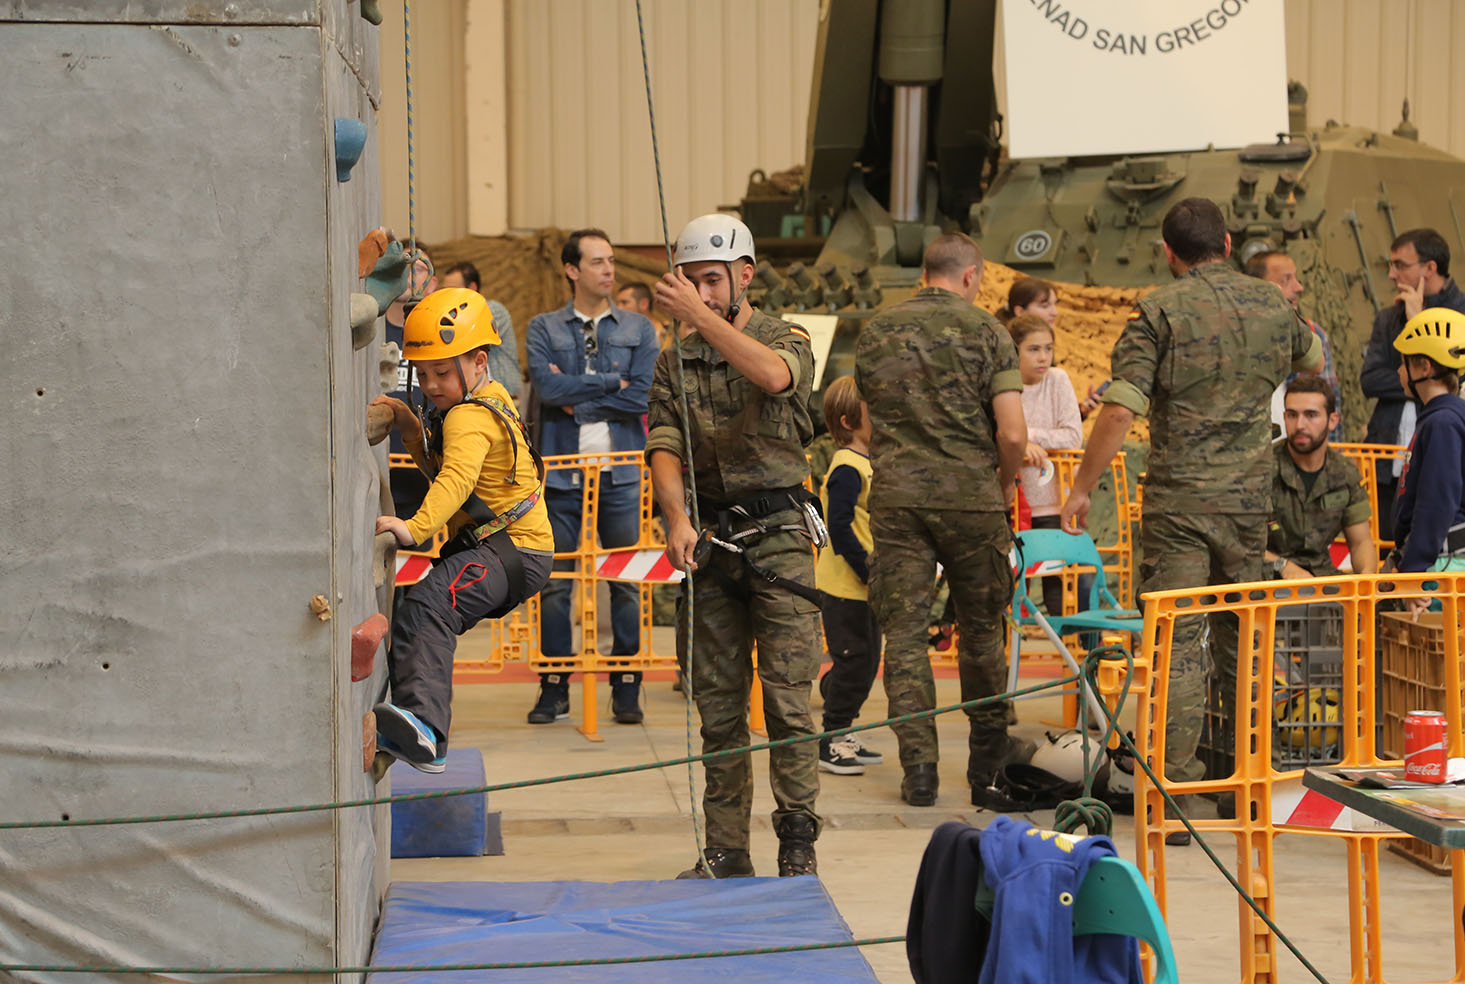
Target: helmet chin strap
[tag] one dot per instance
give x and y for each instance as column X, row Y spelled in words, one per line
column 737, row 304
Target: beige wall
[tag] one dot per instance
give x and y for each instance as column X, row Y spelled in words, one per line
column 439, row 120
column 730, row 83
column 543, row 121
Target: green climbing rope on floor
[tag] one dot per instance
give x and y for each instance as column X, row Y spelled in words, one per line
column 523, row 783
column 426, row 968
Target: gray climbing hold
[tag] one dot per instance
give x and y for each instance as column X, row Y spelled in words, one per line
column 363, row 320
column 389, row 358
column 350, row 142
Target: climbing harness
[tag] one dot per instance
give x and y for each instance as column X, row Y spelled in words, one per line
column 740, row 526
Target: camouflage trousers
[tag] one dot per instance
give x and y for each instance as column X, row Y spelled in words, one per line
column 1188, row 551
column 972, row 547
column 732, row 610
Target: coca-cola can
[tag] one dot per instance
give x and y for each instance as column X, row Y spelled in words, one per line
column 1424, row 746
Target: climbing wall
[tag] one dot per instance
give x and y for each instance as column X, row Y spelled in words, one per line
column 185, row 469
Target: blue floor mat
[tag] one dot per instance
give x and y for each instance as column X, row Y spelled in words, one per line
column 489, row 922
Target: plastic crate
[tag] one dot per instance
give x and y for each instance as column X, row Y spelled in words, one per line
column 1307, row 659
column 1412, row 677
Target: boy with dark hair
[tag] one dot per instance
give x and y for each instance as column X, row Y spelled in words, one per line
column 486, row 485
column 843, row 574
column 1429, row 513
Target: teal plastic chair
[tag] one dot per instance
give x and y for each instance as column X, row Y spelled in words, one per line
column 1104, row 613
column 1115, row 899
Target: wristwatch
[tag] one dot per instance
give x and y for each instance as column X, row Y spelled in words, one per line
column 1277, row 566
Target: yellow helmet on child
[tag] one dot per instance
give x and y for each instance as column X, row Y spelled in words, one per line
column 1438, row 333
column 447, row 323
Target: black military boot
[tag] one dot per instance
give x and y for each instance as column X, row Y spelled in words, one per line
column 918, row 787
column 722, row 862
column 796, row 835
column 988, row 753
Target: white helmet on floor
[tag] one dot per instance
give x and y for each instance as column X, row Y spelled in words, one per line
column 1062, row 755
column 716, row 237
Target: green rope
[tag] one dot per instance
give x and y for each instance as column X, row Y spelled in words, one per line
column 426, row 968
column 1128, row 743
column 542, row 781
column 1088, row 811
column 691, row 479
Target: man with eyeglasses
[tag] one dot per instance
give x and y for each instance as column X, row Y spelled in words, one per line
column 1419, row 268
column 591, row 364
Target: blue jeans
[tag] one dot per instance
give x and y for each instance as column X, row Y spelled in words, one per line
column 619, row 526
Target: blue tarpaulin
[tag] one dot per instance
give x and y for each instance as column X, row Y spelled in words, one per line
column 486, row 922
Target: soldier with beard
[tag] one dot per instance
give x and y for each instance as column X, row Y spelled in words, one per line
column 1316, row 492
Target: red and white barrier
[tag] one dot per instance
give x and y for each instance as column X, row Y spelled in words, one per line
column 1297, row 806
column 638, row 565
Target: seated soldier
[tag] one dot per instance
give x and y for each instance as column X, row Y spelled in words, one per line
column 1316, row 492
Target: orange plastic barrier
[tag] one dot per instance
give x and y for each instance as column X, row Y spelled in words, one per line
column 1369, row 458
column 1260, row 790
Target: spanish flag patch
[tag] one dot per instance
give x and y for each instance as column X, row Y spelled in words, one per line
column 1133, row 315
column 799, row 330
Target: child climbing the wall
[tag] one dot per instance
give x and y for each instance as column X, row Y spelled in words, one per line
column 1051, row 409
column 487, row 483
column 842, row 573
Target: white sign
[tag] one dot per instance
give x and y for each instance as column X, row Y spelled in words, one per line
column 1088, row 77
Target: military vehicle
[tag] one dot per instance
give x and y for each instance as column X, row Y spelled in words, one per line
column 905, row 142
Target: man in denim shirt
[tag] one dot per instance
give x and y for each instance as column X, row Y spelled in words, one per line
column 591, row 364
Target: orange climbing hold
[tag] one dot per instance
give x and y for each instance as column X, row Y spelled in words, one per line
column 365, row 639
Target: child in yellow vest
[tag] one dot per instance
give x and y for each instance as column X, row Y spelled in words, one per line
column 842, row 573
column 487, row 483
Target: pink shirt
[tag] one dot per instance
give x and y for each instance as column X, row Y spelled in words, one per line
column 1051, row 408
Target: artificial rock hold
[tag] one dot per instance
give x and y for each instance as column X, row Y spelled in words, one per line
column 389, row 278
column 378, row 423
column 363, row 320
column 350, row 142
column 388, row 359
column 368, row 740
column 365, row 639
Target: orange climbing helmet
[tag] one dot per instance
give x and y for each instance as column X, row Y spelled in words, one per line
column 447, row 323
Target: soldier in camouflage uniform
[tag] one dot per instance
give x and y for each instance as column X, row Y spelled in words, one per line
column 747, row 378
column 1201, row 356
column 937, row 373
column 1316, row 492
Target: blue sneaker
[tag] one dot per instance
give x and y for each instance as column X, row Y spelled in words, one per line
column 408, row 733
column 437, row 765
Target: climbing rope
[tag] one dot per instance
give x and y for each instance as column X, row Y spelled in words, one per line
column 413, row 254
column 426, row 968
column 525, row 783
column 1128, row 743
column 691, row 486
column 1088, row 811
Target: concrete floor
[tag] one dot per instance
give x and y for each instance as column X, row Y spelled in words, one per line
column 638, row 826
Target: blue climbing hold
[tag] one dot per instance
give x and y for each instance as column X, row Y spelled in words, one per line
column 350, row 142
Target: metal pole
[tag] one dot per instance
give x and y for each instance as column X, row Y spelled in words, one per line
column 908, row 155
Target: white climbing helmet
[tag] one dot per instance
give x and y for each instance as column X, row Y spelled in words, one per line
column 716, row 237
column 1062, row 755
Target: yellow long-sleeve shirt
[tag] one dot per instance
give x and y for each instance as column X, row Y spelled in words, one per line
column 478, row 452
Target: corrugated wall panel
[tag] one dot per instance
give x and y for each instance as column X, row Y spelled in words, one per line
column 731, row 83
column 730, row 80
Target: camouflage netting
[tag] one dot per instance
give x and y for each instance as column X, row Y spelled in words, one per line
column 523, row 272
